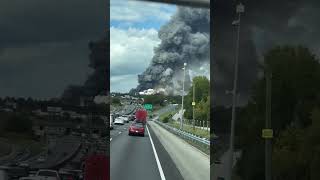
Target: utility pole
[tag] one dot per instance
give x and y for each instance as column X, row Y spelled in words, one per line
column 268, row 133
column 193, row 103
column 239, row 10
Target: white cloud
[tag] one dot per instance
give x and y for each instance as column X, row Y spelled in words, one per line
column 131, row 52
column 135, row 11
column 123, row 83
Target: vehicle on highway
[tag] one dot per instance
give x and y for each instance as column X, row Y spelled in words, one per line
column 119, row 120
column 220, row 178
column 41, row 159
column 141, row 116
column 116, row 115
column 111, row 121
column 30, row 178
column 48, row 174
column 132, row 117
column 67, row 174
column 22, row 164
column 76, row 133
column 125, row 118
column 136, row 128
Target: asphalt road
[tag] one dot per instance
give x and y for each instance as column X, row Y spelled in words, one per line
column 64, row 147
column 133, row 157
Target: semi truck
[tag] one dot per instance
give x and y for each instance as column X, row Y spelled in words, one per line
column 141, row 116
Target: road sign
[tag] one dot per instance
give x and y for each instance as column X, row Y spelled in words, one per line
column 193, row 103
column 267, row 133
column 148, row 106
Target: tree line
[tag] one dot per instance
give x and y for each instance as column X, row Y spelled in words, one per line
column 295, row 118
column 202, row 99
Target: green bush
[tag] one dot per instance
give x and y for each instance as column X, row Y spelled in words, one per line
column 115, row 101
column 166, row 119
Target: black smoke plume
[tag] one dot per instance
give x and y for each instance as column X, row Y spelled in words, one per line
column 184, row 39
column 98, row 82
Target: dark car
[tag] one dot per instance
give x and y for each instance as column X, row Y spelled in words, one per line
column 132, row 118
column 136, row 128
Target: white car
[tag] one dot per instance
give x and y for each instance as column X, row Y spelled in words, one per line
column 41, row 159
column 22, row 164
column 119, row 120
column 111, row 121
column 125, row 118
column 48, row 174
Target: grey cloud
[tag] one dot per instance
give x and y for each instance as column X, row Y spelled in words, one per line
column 48, row 44
column 43, row 21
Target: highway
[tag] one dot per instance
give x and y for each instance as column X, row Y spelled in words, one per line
column 159, row 155
column 60, row 151
column 133, row 157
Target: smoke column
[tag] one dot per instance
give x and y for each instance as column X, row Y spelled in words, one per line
column 185, row 38
column 97, row 82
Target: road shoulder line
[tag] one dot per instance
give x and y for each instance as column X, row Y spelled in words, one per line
column 186, row 157
column 156, row 156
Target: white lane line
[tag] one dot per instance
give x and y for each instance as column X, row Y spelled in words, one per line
column 156, row 156
column 119, row 132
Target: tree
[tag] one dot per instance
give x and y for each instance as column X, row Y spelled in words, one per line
column 295, row 71
column 202, row 91
column 202, row 110
column 157, row 99
column 295, row 91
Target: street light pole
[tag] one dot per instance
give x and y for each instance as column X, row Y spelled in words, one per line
column 239, row 10
column 184, row 74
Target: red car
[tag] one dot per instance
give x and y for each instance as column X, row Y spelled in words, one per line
column 136, row 128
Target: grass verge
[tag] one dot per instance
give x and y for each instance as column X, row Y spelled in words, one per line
column 188, row 128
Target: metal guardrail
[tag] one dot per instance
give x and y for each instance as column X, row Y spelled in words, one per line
column 202, row 143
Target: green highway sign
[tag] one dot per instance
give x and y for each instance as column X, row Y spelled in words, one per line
column 148, row 106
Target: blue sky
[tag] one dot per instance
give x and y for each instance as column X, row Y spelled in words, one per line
column 133, row 35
